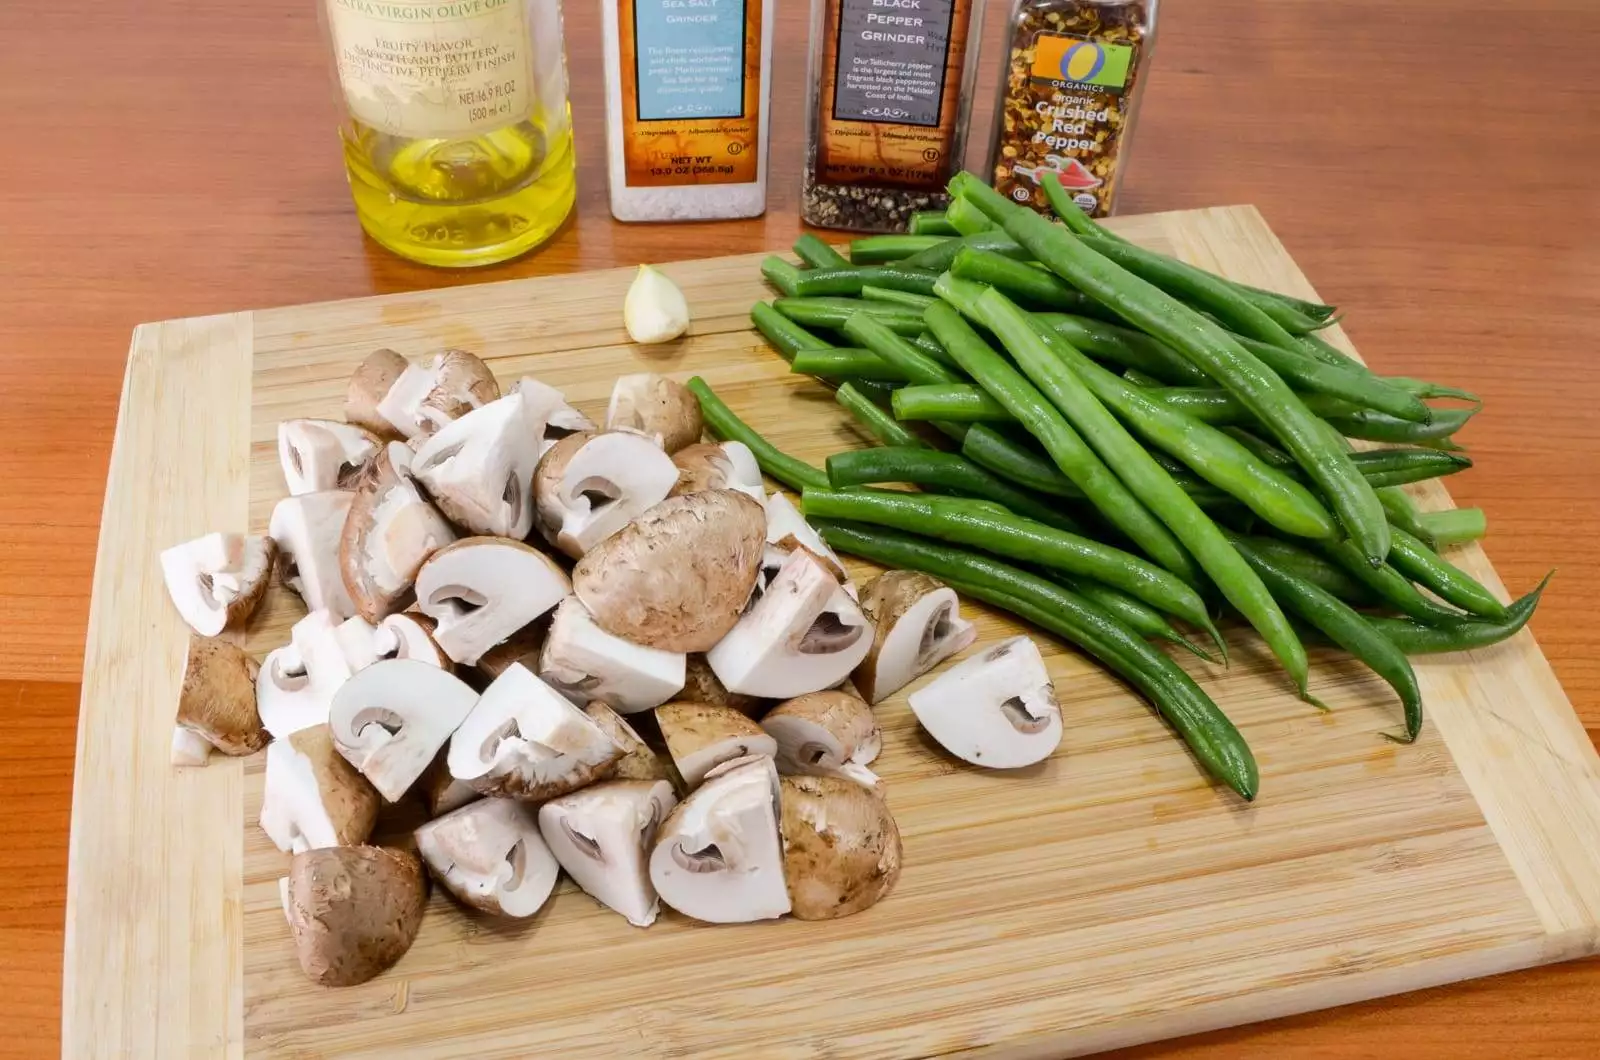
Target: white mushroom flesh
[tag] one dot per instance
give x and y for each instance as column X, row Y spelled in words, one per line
column 996, row 709
column 209, row 577
column 319, row 455
column 491, row 856
column 602, row 836
column 479, row 469
column 189, row 748
column 297, row 682
column 608, row 480
column 302, row 807
column 585, row 663
column 390, row 720
column 307, row 529
column 788, row 530
column 918, row 626
column 481, row 590
column 402, row 531
column 551, row 417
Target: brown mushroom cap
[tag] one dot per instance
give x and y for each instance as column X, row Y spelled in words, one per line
column 701, row 737
column 522, row 645
column 841, row 846
column 390, row 524
column 702, row 466
column 701, row 685
column 464, row 383
column 351, row 802
column 656, row 406
column 354, row 911
column 677, row 577
column 638, row 761
column 218, row 696
column 368, row 384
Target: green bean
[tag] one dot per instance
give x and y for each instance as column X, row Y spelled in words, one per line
column 966, row 218
column 1310, row 567
column 1033, row 287
column 1326, row 352
column 914, row 366
column 787, row 337
column 1070, row 213
column 849, row 279
column 878, row 390
column 817, row 254
column 1398, row 467
column 1210, row 348
column 879, row 423
column 1219, row 408
column 931, row 223
column 876, row 250
column 938, row 258
column 894, row 297
column 991, row 449
column 1378, row 427
column 1261, row 449
column 933, row 347
column 1341, row 624
column 792, row 472
column 1214, row 740
column 1463, row 634
column 1402, row 511
column 1424, row 389
column 1357, row 386
column 1414, row 559
column 1388, row 584
column 959, row 402
column 781, row 274
column 1138, row 378
column 1317, row 311
column 941, row 471
column 1066, row 447
column 1126, row 348
column 845, row 364
column 1141, row 618
column 833, row 312
column 1454, row 526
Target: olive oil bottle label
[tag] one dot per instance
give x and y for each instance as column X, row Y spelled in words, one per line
column 433, row 68
column 691, row 90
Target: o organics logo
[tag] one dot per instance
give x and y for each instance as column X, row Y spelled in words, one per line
column 1075, row 61
column 1082, row 62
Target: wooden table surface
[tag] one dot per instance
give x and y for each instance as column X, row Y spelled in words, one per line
column 1429, row 164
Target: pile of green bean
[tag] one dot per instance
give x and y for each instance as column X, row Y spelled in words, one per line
column 1116, row 445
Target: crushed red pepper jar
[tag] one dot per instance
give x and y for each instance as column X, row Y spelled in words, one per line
column 1074, row 71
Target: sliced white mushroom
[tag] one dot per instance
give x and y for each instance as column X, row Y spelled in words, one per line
column 996, row 709
column 660, row 408
column 804, row 634
column 718, row 857
column 841, row 847
column 701, row 737
column 441, row 792
column 826, row 734
column 319, row 455
column 589, row 486
column 217, row 581
column 548, row 411
column 390, row 720
column 189, row 748
column 308, row 530
column 585, row 663
column 479, row 469
column 429, row 395
column 297, row 681
column 217, row 699
column 525, row 740
column 639, row 761
column 491, row 856
column 368, row 384
column 788, row 530
column 919, row 625
column 719, row 466
column 602, row 836
column 481, row 590
column 313, row 797
column 390, row 531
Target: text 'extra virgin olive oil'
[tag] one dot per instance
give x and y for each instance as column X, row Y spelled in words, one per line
column 458, row 136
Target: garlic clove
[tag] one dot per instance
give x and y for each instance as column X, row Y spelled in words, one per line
column 655, row 309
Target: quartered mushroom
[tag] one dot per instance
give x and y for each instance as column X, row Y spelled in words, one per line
column 549, row 411
column 370, row 382
column 403, row 635
column 841, row 847
column 490, row 855
column 804, row 634
column 319, row 455
column 188, row 748
column 996, row 709
column 441, row 792
column 639, row 761
column 700, row 685
column 308, row 530
column 787, row 530
column 919, row 625
column 390, row 531
column 217, row 581
column 677, row 577
column 719, row 466
column 585, row 663
column 353, row 911
column 297, row 681
column 481, row 590
column 525, row 740
column 313, row 797
column 826, row 734
column 390, row 720
column 589, row 486
column 217, row 699
column 523, row 646
column 701, row 737
column 429, row 395
column 717, row 857
column 479, row 469
column 602, row 836
column 657, row 407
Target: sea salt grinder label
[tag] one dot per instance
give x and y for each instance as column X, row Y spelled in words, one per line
column 433, row 68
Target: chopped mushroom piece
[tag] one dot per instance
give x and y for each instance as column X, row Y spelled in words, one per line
column 826, row 734
column 841, row 847
column 678, row 576
column 390, row 719
column 313, row 797
column 525, row 740
column 804, row 634
column 700, row 685
column 189, row 748
column 589, row 486
column 429, row 395
column 523, row 646
column 717, row 857
column 996, row 709
column 297, row 681
column 408, row 635
column 481, row 590
column 308, row 530
column 354, row 911
column 490, row 855
column 788, row 530
column 479, row 468
column 657, row 407
column 319, row 455
column 701, row 737
column 370, row 382
column 719, row 466
column 586, row 664
column 217, row 581
column 217, row 700
column 638, row 761
column 549, row 412
column 390, row 531
column 602, row 836
column 441, row 792
column 919, row 625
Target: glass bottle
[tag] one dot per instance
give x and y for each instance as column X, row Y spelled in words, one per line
column 457, row 133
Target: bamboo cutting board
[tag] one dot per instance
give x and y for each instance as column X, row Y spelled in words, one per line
column 1107, row 897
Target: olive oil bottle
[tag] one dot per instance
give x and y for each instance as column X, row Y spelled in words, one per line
column 457, row 135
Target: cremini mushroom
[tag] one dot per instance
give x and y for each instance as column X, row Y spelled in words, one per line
column 297, row 681
column 479, row 469
column 188, row 748
column 550, row 413
column 523, row 646
column 308, row 530
column 804, row 634
column 490, row 855
column 481, row 590
column 441, row 792
column 841, row 847
column 390, row 719
column 826, row 734
column 719, row 466
column 429, row 395
column 585, row 663
column 717, row 857
column 678, row 577
column 660, row 408
column 918, row 625
column 639, row 761
column 589, row 486
column 319, row 455
column 996, row 709
column 390, row 531
column 313, row 797
column 700, row 685
column 701, row 737
column 788, row 530
column 354, row 911
column 217, row 581
column 217, row 699
column 525, row 740
column 368, row 384
column 602, row 836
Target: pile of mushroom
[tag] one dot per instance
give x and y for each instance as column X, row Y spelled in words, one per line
column 563, row 640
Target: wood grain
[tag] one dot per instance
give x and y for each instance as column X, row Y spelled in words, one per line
column 1433, row 171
